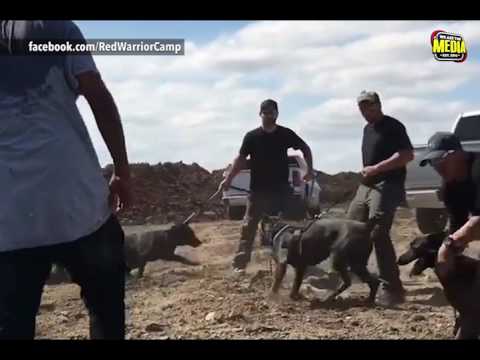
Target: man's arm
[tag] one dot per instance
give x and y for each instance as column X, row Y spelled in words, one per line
column 91, row 85
column 397, row 160
column 239, row 163
column 107, row 118
column 460, row 237
column 307, row 154
column 464, row 235
column 297, row 143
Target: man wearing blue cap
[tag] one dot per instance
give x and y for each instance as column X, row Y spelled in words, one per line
column 460, row 171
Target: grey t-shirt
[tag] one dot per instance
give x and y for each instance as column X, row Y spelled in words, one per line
column 51, row 183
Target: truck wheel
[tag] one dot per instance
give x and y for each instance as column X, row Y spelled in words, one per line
column 431, row 220
column 236, row 212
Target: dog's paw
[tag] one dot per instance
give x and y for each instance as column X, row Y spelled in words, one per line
column 297, row 297
column 330, row 297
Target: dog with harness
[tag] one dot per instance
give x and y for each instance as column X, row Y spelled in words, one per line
column 346, row 241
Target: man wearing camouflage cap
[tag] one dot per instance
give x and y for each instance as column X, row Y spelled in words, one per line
column 386, row 149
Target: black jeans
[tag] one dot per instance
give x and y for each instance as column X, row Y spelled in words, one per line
column 259, row 203
column 95, row 262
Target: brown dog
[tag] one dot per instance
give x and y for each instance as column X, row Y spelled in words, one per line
column 458, row 284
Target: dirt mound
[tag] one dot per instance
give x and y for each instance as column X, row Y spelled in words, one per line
column 170, row 192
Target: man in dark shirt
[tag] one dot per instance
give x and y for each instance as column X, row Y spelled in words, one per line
column 267, row 147
column 386, row 149
column 460, row 172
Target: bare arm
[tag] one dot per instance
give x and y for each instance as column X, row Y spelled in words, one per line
column 239, row 163
column 109, row 124
column 397, row 160
column 307, row 154
column 107, row 118
column 465, row 234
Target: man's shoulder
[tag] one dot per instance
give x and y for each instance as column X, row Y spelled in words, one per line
column 391, row 121
column 254, row 132
column 285, row 130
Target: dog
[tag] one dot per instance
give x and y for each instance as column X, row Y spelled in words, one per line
column 159, row 244
column 458, row 283
column 346, row 241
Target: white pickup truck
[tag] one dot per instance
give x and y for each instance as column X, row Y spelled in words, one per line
column 423, row 183
column 308, row 194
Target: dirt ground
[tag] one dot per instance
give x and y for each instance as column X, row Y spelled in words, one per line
column 175, row 301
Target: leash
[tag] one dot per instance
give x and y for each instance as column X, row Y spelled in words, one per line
column 195, row 213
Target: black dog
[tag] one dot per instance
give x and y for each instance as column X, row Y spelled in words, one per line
column 347, row 241
column 458, row 284
column 158, row 244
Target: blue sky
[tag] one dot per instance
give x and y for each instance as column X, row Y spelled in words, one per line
column 197, row 107
column 197, row 31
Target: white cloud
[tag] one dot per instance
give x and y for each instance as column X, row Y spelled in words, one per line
column 197, row 107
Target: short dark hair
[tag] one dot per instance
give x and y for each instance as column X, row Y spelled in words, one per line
column 268, row 104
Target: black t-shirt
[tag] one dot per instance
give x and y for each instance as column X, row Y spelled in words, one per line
column 380, row 141
column 462, row 198
column 268, row 156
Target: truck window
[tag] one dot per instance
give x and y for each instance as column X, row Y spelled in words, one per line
column 468, row 128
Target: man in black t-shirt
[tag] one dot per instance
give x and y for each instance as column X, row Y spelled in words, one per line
column 386, row 149
column 460, row 172
column 267, row 147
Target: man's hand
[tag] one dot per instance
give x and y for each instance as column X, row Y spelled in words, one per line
column 370, row 171
column 445, row 259
column 309, row 176
column 462, row 236
column 446, row 254
column 225, row 184
column 120, row 191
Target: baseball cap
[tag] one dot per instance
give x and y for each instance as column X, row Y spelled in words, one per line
column 268, row 104
column 439, row 144
column 370, row 96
